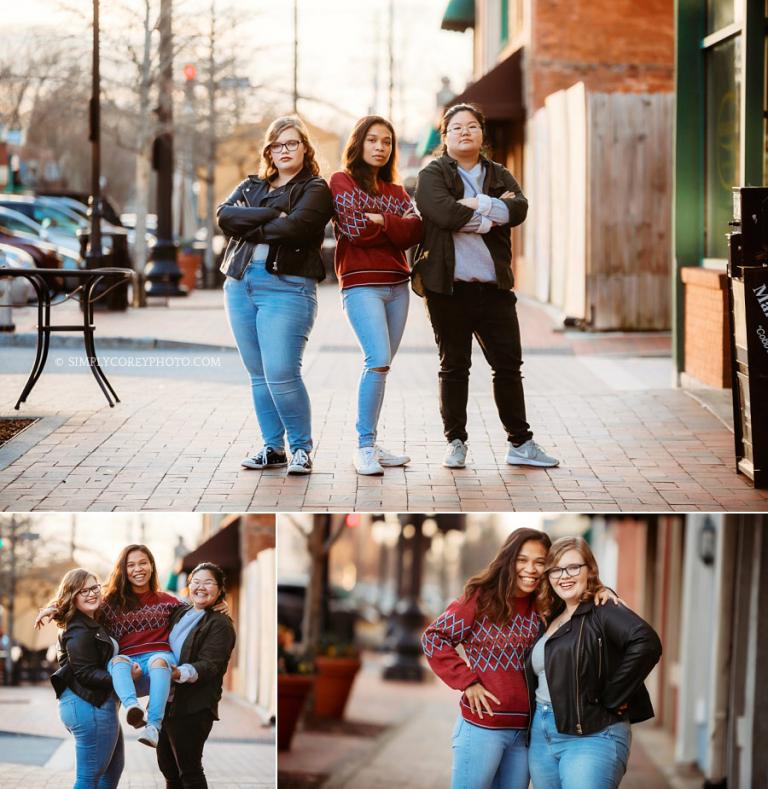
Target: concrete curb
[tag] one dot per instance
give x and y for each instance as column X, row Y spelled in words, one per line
column 29, row 340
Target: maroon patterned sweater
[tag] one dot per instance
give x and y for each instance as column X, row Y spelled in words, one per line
column 495, row 657
column 142, row 629
column 367, row 253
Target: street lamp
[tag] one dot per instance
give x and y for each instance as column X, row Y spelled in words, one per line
column 162, row 271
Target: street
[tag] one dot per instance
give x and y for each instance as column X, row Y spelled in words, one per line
column 36, row 751
column 602, row 403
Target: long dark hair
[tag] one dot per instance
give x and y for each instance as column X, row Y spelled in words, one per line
column 464, row 107
column 217, row 573
column 118, row 592
column 355, row 165
column 495, row 586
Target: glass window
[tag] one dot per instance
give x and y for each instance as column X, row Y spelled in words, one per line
column 58, row 218
column 722, row 141
column 719, row 14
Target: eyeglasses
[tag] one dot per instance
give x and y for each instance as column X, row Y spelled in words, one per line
column 90, row 590
column 291, row 145
column 473, row 128
column 572, row 570
column 206, row 584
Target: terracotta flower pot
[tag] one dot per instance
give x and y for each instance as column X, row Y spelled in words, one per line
column 333, row 685
column 292, row 692
column 189, row 265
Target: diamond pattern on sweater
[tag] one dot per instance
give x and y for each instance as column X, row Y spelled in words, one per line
column 351, row 208
column 446, row 631
column 492, row 647
column 145, row 618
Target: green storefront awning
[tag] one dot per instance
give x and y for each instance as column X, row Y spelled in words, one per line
column 459, row 15
column 429, row 142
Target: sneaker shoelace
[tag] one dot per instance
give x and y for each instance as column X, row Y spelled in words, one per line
column 300, row 458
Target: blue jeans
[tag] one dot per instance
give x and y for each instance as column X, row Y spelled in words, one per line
column 572, row 761
column 98, row 737
column 155, row 681
column 488, row 758
column 377, row 314
column 271, row 317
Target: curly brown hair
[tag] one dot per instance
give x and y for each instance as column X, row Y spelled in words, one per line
column 267, row 170
column 64, row 601
column 118, row 592
column 548, row 604
column 355, row 165
column 496, row 586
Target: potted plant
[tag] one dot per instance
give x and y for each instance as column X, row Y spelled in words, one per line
column 295, row 679
column 337, row 665
column 190, row 259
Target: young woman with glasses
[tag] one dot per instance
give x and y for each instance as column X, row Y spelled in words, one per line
column 495, row 622
column 375, row 223
column 202, row 640
column 463, row 269
column 275, row 224
column 87, row 703
column 585, row 676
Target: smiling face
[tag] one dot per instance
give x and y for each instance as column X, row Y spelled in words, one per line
column 88, row 597
column 138, row 571
column 463, row 135
column 529, row 567
column 288, row 162
column 569, row 587
column 203, row 589
column 377, row 146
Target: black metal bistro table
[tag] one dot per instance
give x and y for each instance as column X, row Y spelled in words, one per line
column 88, row 278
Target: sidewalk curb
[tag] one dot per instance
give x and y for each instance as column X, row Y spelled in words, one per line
column 29, row 340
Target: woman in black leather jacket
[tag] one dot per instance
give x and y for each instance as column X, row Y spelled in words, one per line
column 202, row 641
column 585, row 676
column 275, row 224
column 87, row 703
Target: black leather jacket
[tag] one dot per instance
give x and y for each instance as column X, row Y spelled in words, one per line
column 596, row 663
column 437, row 191
column 84, row 649
column 207, row 647
column 294, row 240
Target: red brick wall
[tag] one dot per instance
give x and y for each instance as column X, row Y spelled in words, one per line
column 707, row 343
column 610, row 45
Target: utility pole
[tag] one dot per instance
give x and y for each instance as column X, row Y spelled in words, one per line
column 210, row 165
column 391, row 51
column 162, row 271
column 11, row 602
column 295, row 56
column 94, row 255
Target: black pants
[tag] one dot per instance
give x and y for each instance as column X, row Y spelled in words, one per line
column 489, row 314
column 180, row 750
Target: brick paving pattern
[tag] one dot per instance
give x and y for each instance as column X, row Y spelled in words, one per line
column 626, row 439
column 240, row 753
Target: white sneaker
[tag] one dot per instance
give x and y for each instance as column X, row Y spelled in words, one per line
column 387, row 458
column 365, row 461
column 301, row 463
column 529, row 454
column 150, row 737
column 136, row 716
column 456, row 455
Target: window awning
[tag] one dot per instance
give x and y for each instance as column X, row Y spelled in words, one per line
column 429, row 142
column 459, row 15
column 499, row 92
column 222, row 549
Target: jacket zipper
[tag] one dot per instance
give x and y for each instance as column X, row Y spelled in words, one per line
column 277, row 253
column 578, row 688
column 600, row 657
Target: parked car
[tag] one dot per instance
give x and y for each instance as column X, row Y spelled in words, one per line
column 108, row 210
column 21, row 290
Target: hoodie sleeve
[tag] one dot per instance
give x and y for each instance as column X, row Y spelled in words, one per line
column 440, row 639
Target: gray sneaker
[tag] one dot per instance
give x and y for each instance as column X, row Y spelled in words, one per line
column 301, row 463
column 150, row 737
column 456, row 454
column 366, row 463
column 387, row 458
column 529, row 454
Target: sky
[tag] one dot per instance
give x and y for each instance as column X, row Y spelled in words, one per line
column 342, row 52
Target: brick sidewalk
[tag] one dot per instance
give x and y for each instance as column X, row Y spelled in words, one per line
column 239, row 753
column 414, row 752
column 626, row 440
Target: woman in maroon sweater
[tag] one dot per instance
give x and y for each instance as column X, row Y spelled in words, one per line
column 495, row 623
column 375, row 223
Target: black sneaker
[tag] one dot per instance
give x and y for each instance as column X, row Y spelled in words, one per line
column 301, row 463
column 267, row 457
